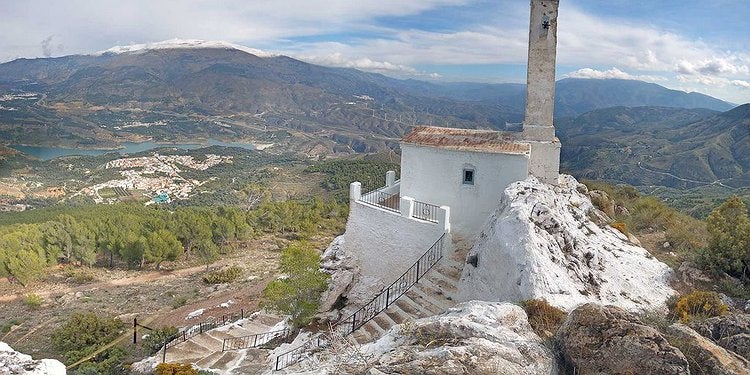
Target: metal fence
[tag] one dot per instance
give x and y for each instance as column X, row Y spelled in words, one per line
column 385, row 298
column 381, row 302
column 254, row 341
column 378, row 197
column 297, row 354
column 205, row 326
column 425, row 211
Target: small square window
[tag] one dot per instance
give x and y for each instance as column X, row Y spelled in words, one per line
column 468, row 177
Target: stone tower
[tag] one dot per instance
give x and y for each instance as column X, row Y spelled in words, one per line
column 538, row 128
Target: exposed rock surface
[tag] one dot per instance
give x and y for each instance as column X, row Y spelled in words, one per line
column 597, row 339
column 470, row 338
column 346, row 288
column 704, row 356
column 542, row 243
column 15, row 363
column 731, row 332
column 739, row 344
column 723, row 326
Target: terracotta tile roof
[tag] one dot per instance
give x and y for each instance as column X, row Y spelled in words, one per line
column 467, row 140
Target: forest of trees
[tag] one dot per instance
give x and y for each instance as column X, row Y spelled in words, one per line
column 136, row 236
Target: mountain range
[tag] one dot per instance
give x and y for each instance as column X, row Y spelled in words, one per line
column 205, row 89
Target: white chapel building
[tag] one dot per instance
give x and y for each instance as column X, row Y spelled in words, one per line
column 452, row 179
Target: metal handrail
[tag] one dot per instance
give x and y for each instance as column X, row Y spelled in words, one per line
column 425, row 211
column 370, row 310
column 204, row 326
column 380, row 198
column 253, row 341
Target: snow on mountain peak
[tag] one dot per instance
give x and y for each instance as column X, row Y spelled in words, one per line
column 181, row 44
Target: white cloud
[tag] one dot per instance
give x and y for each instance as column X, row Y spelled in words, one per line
column 741, row 83
column 713, row 66
column 613, row 73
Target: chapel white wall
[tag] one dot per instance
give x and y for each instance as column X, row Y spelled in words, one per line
column 435, row 175
column 387, row 243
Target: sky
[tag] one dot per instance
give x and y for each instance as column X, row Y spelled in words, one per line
column 689, row 45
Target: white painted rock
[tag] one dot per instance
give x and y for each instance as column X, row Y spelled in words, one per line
column 473, row 337
column 541, row 243
column 15, row 363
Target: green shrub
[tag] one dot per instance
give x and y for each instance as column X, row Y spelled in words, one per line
column 227, row 275
column 175, row 369
column 156, row 339
column 728, row 247
column 686, row 234
column 7, row 326
column 544, row 318
column 699, row 305
column 650, row 213
column 33, row 301
column 84, row 333
column 178, row 302
column 79, row 275
column 297, row 295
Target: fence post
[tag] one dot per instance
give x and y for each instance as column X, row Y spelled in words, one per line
column 407, row 207
column 390, row 178
column 355, row 191
column 200, row 325
column 387, row 296
column 444, row 219
column 164, row 353
column 135, row 326
column 242, row 313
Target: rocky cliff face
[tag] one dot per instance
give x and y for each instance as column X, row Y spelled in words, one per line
column 15, row 363
column 541, row 243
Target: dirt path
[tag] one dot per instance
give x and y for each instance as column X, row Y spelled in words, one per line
column 142, row 278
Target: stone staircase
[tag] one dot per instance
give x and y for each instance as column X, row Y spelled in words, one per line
column 205, row 350
column 432, row 295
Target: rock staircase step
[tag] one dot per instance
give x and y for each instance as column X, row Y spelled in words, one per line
column 384, row 321
column 361, row 336
column 208, row 361
column 412, row 308
column 251, row 361
column 227, row 360
column 397, row 315
column 438, row 289
column 210, row 343
column 449, row 275
column 436, row 304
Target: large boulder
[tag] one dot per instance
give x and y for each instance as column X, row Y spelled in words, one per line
column 470, row 338
column 541, row 243
column 15, row 363
column 597, row 339
column 719, row 327
column 347, row 288
column 731, row 332
column 740, row 344
column 704, row 356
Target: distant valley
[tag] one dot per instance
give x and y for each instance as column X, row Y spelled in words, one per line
column 618, row 130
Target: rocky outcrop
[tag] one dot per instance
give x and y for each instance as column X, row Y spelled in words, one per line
column 347, row 288
column 719, row 327
column 597, row 339
column 705, row 357
column 15, row 363
column 470, row 338
column 541, row 243
column 731, row 332
column 740, row 344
